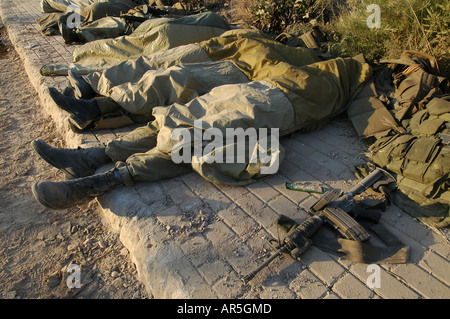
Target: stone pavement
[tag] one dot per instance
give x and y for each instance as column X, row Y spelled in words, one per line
column 192, row 239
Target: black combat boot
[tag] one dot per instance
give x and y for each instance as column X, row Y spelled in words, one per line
column 75, row 163
column 82, row 112
column 81, row 88
column 69, row 35
column 61, row 195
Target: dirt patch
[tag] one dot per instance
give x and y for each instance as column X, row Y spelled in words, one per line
column 39, row 245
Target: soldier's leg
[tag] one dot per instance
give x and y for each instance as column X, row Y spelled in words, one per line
column 149, row 166
column 61, row 195
column 74, row 163
column 82, row 89
column 82, row 162
column 83, row 112
column 140, row 140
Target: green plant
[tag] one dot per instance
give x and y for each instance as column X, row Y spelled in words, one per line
column 273, row 16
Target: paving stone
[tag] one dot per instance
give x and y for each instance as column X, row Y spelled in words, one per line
column 390, row 286
column 349, row 287
column 308, row 286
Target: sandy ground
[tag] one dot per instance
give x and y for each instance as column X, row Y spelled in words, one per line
column 39, row 245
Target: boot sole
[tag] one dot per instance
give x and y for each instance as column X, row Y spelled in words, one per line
column 52, row 163
column 81, row 126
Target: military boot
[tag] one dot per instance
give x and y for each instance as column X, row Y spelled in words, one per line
column 82, row 112
column 74, row 163
column 69, row 35
column 61, row 195
column 82, row 89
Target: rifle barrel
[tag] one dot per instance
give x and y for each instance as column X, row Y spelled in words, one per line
column 251, row 275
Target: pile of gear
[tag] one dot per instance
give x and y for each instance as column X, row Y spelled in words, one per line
column 404, row 114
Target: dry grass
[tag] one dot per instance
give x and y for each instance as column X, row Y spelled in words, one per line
column 420, row 25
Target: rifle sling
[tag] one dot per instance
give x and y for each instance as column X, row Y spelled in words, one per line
column 363, row 252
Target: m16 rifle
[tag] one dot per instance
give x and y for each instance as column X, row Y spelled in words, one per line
column 333, row 207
